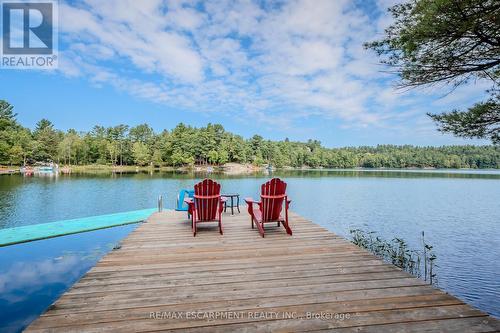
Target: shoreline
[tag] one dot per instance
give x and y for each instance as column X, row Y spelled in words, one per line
column 229, row 169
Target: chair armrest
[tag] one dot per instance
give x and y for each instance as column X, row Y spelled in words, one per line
column 222, row 203
column 251, row 201
column 190, row 203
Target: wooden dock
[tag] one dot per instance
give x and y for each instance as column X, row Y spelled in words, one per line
column 162, row 278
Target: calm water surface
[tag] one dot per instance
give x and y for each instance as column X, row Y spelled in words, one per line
column 34, row 275
column 458, row 210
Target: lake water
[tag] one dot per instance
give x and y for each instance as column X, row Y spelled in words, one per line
column 458, row 210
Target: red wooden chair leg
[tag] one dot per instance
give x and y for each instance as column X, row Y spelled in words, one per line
column 285, row 223
column 287, row 228
column 260, row 226
column 191, row 214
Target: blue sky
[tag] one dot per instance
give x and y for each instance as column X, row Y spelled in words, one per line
column 293, row 69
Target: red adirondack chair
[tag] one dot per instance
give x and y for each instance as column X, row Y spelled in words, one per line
column 272, row 199
column 207, row 204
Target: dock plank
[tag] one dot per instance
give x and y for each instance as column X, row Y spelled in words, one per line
column 242, row 282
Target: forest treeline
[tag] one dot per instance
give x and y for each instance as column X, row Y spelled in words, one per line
column 186, row 145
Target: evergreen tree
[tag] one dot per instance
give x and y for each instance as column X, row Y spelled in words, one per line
column 448, row 42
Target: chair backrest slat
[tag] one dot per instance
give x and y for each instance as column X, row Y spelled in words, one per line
column 272, row 197
column 206, row 200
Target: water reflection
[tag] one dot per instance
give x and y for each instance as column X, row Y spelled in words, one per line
column 33, row 275
column 384, row 173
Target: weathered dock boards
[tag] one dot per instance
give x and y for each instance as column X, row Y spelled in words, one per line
column 165, row 279
column 33, row 232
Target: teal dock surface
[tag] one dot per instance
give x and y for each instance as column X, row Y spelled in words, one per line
column 33, row 232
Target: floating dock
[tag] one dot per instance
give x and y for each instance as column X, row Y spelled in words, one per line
column 164, row 279
column 33, row 232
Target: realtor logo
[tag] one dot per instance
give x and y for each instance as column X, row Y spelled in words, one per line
column 29, row 34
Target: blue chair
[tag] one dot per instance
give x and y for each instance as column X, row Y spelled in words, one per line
column 181, row 205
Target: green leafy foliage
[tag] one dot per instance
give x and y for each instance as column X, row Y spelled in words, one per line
column 448, row 42
column 212, row 144
column 481, row 121
column 141, row 153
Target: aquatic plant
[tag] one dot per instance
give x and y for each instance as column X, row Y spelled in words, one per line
column 419, row 263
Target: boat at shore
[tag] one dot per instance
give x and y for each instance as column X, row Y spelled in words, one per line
column 27, row 170
column 7, row 171
column 45, row 169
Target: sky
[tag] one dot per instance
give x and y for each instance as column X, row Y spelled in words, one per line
column 280, row 69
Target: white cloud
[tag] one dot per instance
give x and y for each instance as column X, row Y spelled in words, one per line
column 34, row 275
column 302, row 57
column 135, row 31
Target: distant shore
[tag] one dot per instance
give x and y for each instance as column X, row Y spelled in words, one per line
column 229, row 168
